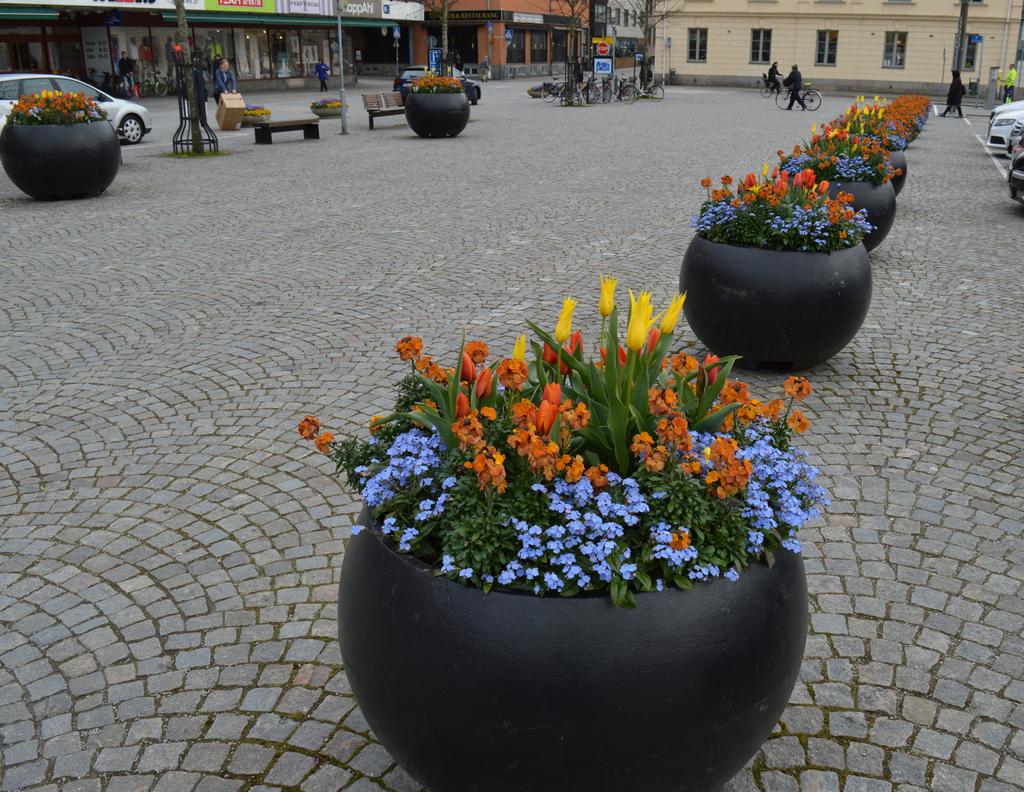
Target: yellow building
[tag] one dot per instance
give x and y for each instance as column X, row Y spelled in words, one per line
column 864, row 46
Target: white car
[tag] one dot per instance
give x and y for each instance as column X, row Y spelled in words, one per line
column 1000, row 126
column 131, row 121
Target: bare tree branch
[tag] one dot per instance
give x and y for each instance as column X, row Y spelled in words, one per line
column 651, row 13
column 439, row 9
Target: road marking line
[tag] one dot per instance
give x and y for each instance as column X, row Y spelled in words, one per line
column 936, row 109
column 967, row 121
column 999, row 166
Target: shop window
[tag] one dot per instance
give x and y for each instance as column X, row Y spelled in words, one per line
column 970, row 55
column 517, row 47
column 316, row 46
column 558, row 46
column 252, row 54
column 698, row 45
column 538, row 46
column 162, row 50
column 895, row 54
column 212, row 45
column 283, row 57
column 760, row 45
column 828, row 44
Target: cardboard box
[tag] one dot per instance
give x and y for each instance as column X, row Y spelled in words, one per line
column 229, row 111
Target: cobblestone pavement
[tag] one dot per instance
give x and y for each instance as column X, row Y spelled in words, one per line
column 169, row 552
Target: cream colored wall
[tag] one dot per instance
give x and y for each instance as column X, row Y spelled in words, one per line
column 930, row 26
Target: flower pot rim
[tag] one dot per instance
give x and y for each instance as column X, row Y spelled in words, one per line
column 422, row 567
column 840, row 251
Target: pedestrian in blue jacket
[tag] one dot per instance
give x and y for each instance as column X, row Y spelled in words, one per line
column 224, row 81
column 321, row 72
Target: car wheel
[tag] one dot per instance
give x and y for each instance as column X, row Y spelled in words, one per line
column 131, row 129
column 476, row 97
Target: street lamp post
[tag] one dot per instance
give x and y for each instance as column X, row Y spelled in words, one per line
column 341, row 70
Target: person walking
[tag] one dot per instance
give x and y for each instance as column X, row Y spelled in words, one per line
column 955, row 95
column 794, row 81
column 485, row 69
column 126, row 66
column 1009, row 83
column 224, row 81
column 773, row 77
column 321, row 73
column 577, row 71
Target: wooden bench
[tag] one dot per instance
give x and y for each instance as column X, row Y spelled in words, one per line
column 383, row 104
column 310, row 129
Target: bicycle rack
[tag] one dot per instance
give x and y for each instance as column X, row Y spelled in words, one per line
column 183, row 134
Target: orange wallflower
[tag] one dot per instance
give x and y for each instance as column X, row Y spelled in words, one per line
column 574, row 416
column 477, row 351
column 428, row 368
column 524, row 413
column 729, row 474
column 513, row 373
column 409, row 347
column 375, row 423
column 682, row 363
column 675, row 432
column 489, row 413
column 598, row 475
column 468, row 431
column 655, row 461
column 574, row 469
column 642, row 444
column 680, row 540
column 323, row 442
column 662, row 401
column 490, row 469
column 308, row 427
column 798, row 388
column 798, row 422
column 734, row 392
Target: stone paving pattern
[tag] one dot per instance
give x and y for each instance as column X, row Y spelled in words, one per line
column 169, row 551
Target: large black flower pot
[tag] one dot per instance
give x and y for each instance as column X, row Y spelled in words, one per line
column 899, row 161
column 60, row 161
column 437, row 115
column 508, row 692
column 880, row 202
column 778, row 309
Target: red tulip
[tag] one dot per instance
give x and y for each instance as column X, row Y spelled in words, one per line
column 546, row 415
column 549, row 355
column 484, row 381
column 750, row 180
column 468, row 369
column 622, row 355
column 553, row 393
column 575, row 341
column 653, row 338
column 461, row 406
column 709, row 360
column 823, row 186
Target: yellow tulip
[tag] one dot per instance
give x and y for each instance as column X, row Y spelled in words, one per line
column 764, row 170
column 668, row 321
column 607, row 303
column 519, row 349
column 814, row 128
column 564, row 327
column 639, row 320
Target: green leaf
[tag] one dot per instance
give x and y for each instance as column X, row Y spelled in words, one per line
column 711, row 421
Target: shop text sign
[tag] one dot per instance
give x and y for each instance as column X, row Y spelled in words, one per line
column 142, row 5
column 240, row 5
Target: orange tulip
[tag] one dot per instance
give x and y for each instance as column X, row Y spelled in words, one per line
column 653, row 338
column 553, row 393
column 461, row 406
column 549, row 355
column 484, row 381
column 622, row 355
column 468, row 369
column 823, row 187
column 750, row 180
column 709, row 360
column 546, row 417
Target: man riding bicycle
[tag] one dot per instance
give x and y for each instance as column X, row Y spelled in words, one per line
column 772, row 79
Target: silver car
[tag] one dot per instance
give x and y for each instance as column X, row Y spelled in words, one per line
column 131, row 121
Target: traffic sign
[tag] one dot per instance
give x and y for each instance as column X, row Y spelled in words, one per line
column 639, row 57
column 975, row 38
column 508, row 36
column 490, row 27
column 602, row 66
column 602, row 49
column 396, row 32
column 434, row 59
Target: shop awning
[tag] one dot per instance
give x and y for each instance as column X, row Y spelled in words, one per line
column 28, row 12
column 277, row 20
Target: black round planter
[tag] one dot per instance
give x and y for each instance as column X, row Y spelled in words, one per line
column 880, row 202
column 60, row 161
column 508, row 692
column 437, row 115
column 899, row 160
column 778, row 309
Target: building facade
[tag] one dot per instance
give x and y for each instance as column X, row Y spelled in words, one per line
column 270, row 43
column 864, row 46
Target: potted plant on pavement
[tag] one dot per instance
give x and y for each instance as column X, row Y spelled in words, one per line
column 557, row 555
column 777, row 272
column 59, row 145
column 326, row 108
column 255, row 114
column 851, row 164
column 437, row 106
column 869, row 121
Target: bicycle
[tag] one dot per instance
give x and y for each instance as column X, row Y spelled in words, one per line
column 551, row 91
column 624, row 90
column 153, row 85
column 576, row 96
column 768, row 86
column 593, row 92
column 650, row 91
column 810, row 96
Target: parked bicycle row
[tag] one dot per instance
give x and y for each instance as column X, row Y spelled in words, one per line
column 595, row 90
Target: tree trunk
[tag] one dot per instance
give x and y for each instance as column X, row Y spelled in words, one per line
column 445, row 65
column 190, row 89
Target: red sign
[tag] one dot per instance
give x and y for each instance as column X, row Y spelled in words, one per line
column 603, row 49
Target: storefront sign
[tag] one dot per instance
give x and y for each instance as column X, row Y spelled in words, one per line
column 402, row 9
column 310, row 7
column 528, row 19
column 361, row 8
column 95, row 50
column 240, row 5
column 471, row 16
column 131, row 5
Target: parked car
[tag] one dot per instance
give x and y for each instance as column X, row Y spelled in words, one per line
column 472, row 87
column 1000, row 127
column 131, row 121
column 1015, row 178
column 1016, row 133
column 1005, row 108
